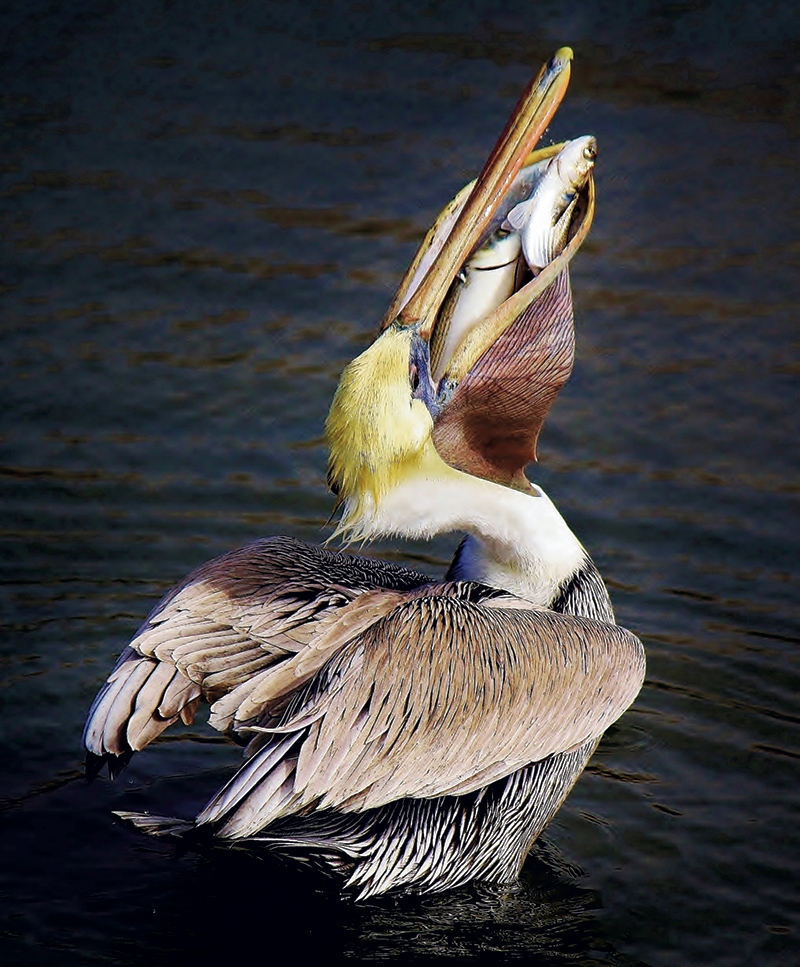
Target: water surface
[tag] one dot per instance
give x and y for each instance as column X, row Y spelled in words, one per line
column 205, row 210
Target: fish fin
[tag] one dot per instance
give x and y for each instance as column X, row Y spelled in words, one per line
column 517, row 217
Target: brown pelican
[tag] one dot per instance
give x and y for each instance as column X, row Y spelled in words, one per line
column 406, row 733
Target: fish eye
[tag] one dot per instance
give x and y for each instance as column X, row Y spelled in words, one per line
column 590, row 151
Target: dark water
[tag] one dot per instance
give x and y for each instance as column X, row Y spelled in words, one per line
column 205, row 210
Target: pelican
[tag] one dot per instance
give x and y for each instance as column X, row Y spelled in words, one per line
column 404, row 733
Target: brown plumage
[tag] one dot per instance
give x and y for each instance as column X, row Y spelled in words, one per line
column 226, row 628
column 364, row 690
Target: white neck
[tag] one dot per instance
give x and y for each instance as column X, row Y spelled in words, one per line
column 524, row 545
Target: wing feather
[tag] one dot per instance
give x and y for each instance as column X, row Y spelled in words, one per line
column 523, row 684
column 249, row 777
column 225, row 633
column 442, row 695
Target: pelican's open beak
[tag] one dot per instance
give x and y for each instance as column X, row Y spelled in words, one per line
column 497, row 387
column 462, row 224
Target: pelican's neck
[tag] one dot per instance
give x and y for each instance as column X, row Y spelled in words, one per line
column 523, row 544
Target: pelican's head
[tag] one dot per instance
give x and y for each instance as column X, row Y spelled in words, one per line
column 389, row 425
column 380, row 424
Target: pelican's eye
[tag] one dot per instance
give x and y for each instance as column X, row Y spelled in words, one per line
column 419, row 374
column 413, row 377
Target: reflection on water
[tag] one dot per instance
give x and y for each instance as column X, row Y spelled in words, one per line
column 204, row 212
column 546, row 915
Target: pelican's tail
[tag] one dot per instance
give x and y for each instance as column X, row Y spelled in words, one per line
column 157, row 825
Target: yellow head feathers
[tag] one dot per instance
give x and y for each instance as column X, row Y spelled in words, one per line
column 376, row 430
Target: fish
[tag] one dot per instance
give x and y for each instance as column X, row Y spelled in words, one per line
column 531, row 221
column 542, row 220
column 484, row 282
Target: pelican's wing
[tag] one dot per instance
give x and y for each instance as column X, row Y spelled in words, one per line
column 441, row 696
column 229, row 627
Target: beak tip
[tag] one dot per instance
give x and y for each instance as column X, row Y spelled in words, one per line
column 563, row 55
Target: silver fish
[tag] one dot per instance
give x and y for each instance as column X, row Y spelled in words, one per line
column 533, row 220
column 543, row 219
column 487, row 279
